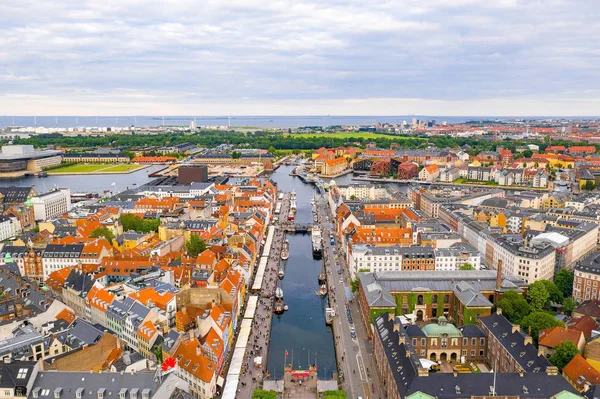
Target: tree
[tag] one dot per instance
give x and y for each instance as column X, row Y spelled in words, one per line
column 236, row 155
column 272, row 150
column 136, row 223
column 514, row 306
column 589, row 185
column 263, row 394
column 527, row 154
column 568, row 305
column 353, row 197
column 334, row 394
column 354, row 285
column 158, row 354
column 537, row 321
column 555, row 295
column 195, row 245
column 564, row 282
column 537, row 296
column 467, row 266
column 563, row 354
column 103, row 232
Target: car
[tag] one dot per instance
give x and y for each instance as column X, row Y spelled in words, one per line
column 341, row 281
column 339, row 271
column 335, row 257
column 352, row 332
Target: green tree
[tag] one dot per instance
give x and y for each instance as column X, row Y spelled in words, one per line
column 568, row 305
column 467, row 266
column 103, row 232
column 563, row 354
column 354, row 285
column 272, row 150
column 195, row 245
column 537, row 321
column 334, row 394
column 555, row 295
column 537, row 296
column 136, row 223
column 564, row 282
column 353, row 197
column 364, row 270
column 263, row 394
column 158, row 354
column 514, row 306
column 527, row 154
column 236, row 154
column 589, row 185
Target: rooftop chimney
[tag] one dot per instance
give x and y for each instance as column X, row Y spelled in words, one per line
column 499, row 275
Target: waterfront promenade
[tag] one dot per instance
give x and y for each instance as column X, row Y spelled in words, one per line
column 260, row 334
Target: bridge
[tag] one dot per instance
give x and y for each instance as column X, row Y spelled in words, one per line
column 296, row 228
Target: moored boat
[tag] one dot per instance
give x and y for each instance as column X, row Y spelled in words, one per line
column 280, row 273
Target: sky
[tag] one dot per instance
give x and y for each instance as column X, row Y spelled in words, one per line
column 300, row 57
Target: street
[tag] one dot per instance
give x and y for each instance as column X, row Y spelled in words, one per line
column 354, row 354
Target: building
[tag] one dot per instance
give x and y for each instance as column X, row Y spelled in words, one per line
column 549, row 338
column 408, row 170
column 581, row 374
column 509, row 350
column 188, row 174
column 430, row 294
column 16, row 160
column 96, row 158
column 52, row 204
column 429, row 173
column 442, row 341
column 335, row 166
column 60, row 256
column 585, row 281
column 540, row 179
column 449, row 174
column 363, row 191
column 397, row 364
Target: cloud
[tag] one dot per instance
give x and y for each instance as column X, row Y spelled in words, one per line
column 286, row 56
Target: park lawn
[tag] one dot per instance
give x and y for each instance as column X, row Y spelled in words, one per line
column 94, row 168
column 351, row 135
column 122, row 168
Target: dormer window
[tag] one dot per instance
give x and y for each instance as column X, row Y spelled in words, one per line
column 101, row 393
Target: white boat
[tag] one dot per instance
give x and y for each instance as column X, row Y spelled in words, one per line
column 280, row 273
column 285, row 307
column 278, row 293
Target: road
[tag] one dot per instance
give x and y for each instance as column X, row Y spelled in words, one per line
column 354, row 354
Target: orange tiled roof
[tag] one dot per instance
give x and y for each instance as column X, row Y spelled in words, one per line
column 66, row 315
column 100, row 298
column 578, row 367
column 150, row 295
column 147, row 330
column 432, row 168
column 335, row 161
column 550, row 337
column 190, row 358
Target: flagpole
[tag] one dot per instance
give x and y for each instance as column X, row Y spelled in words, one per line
column 292, row 359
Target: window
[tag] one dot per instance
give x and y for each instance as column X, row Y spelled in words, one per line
column 414, row 342
column 444, row 342
column 422, row 352
column 482, row 342
column 472, row 353
column 446, row 298
column 434, row 298
column 21, row 374
column 481, row 353
column 465, row 341
column 423, row 342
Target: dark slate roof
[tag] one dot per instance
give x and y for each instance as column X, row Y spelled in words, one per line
column 471, row 331
column 514, row 342
column 80, row 282
column 414, row 331
column 591, row 264
column 90, row 383
column 126, row 360
column 16, row 373
column 15, row 194
column 84, row 333
column 467, row 385
column 63, row 250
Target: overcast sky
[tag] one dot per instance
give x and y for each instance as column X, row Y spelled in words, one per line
column 299, row 57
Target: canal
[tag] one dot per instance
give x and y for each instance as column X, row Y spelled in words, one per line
column 301, row 331
column 86, row 183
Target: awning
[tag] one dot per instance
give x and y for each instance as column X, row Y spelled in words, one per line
column 220, row 381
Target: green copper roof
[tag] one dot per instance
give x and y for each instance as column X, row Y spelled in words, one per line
column 8, row 258
column 421, row 395
column 566, row 395
column 29, row 202
column 442, row 329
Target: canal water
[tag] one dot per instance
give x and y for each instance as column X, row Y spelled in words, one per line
column 301, row 331
column 86, row 183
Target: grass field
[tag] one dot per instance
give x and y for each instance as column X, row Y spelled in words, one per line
column 352, row 135
column 94, row 168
